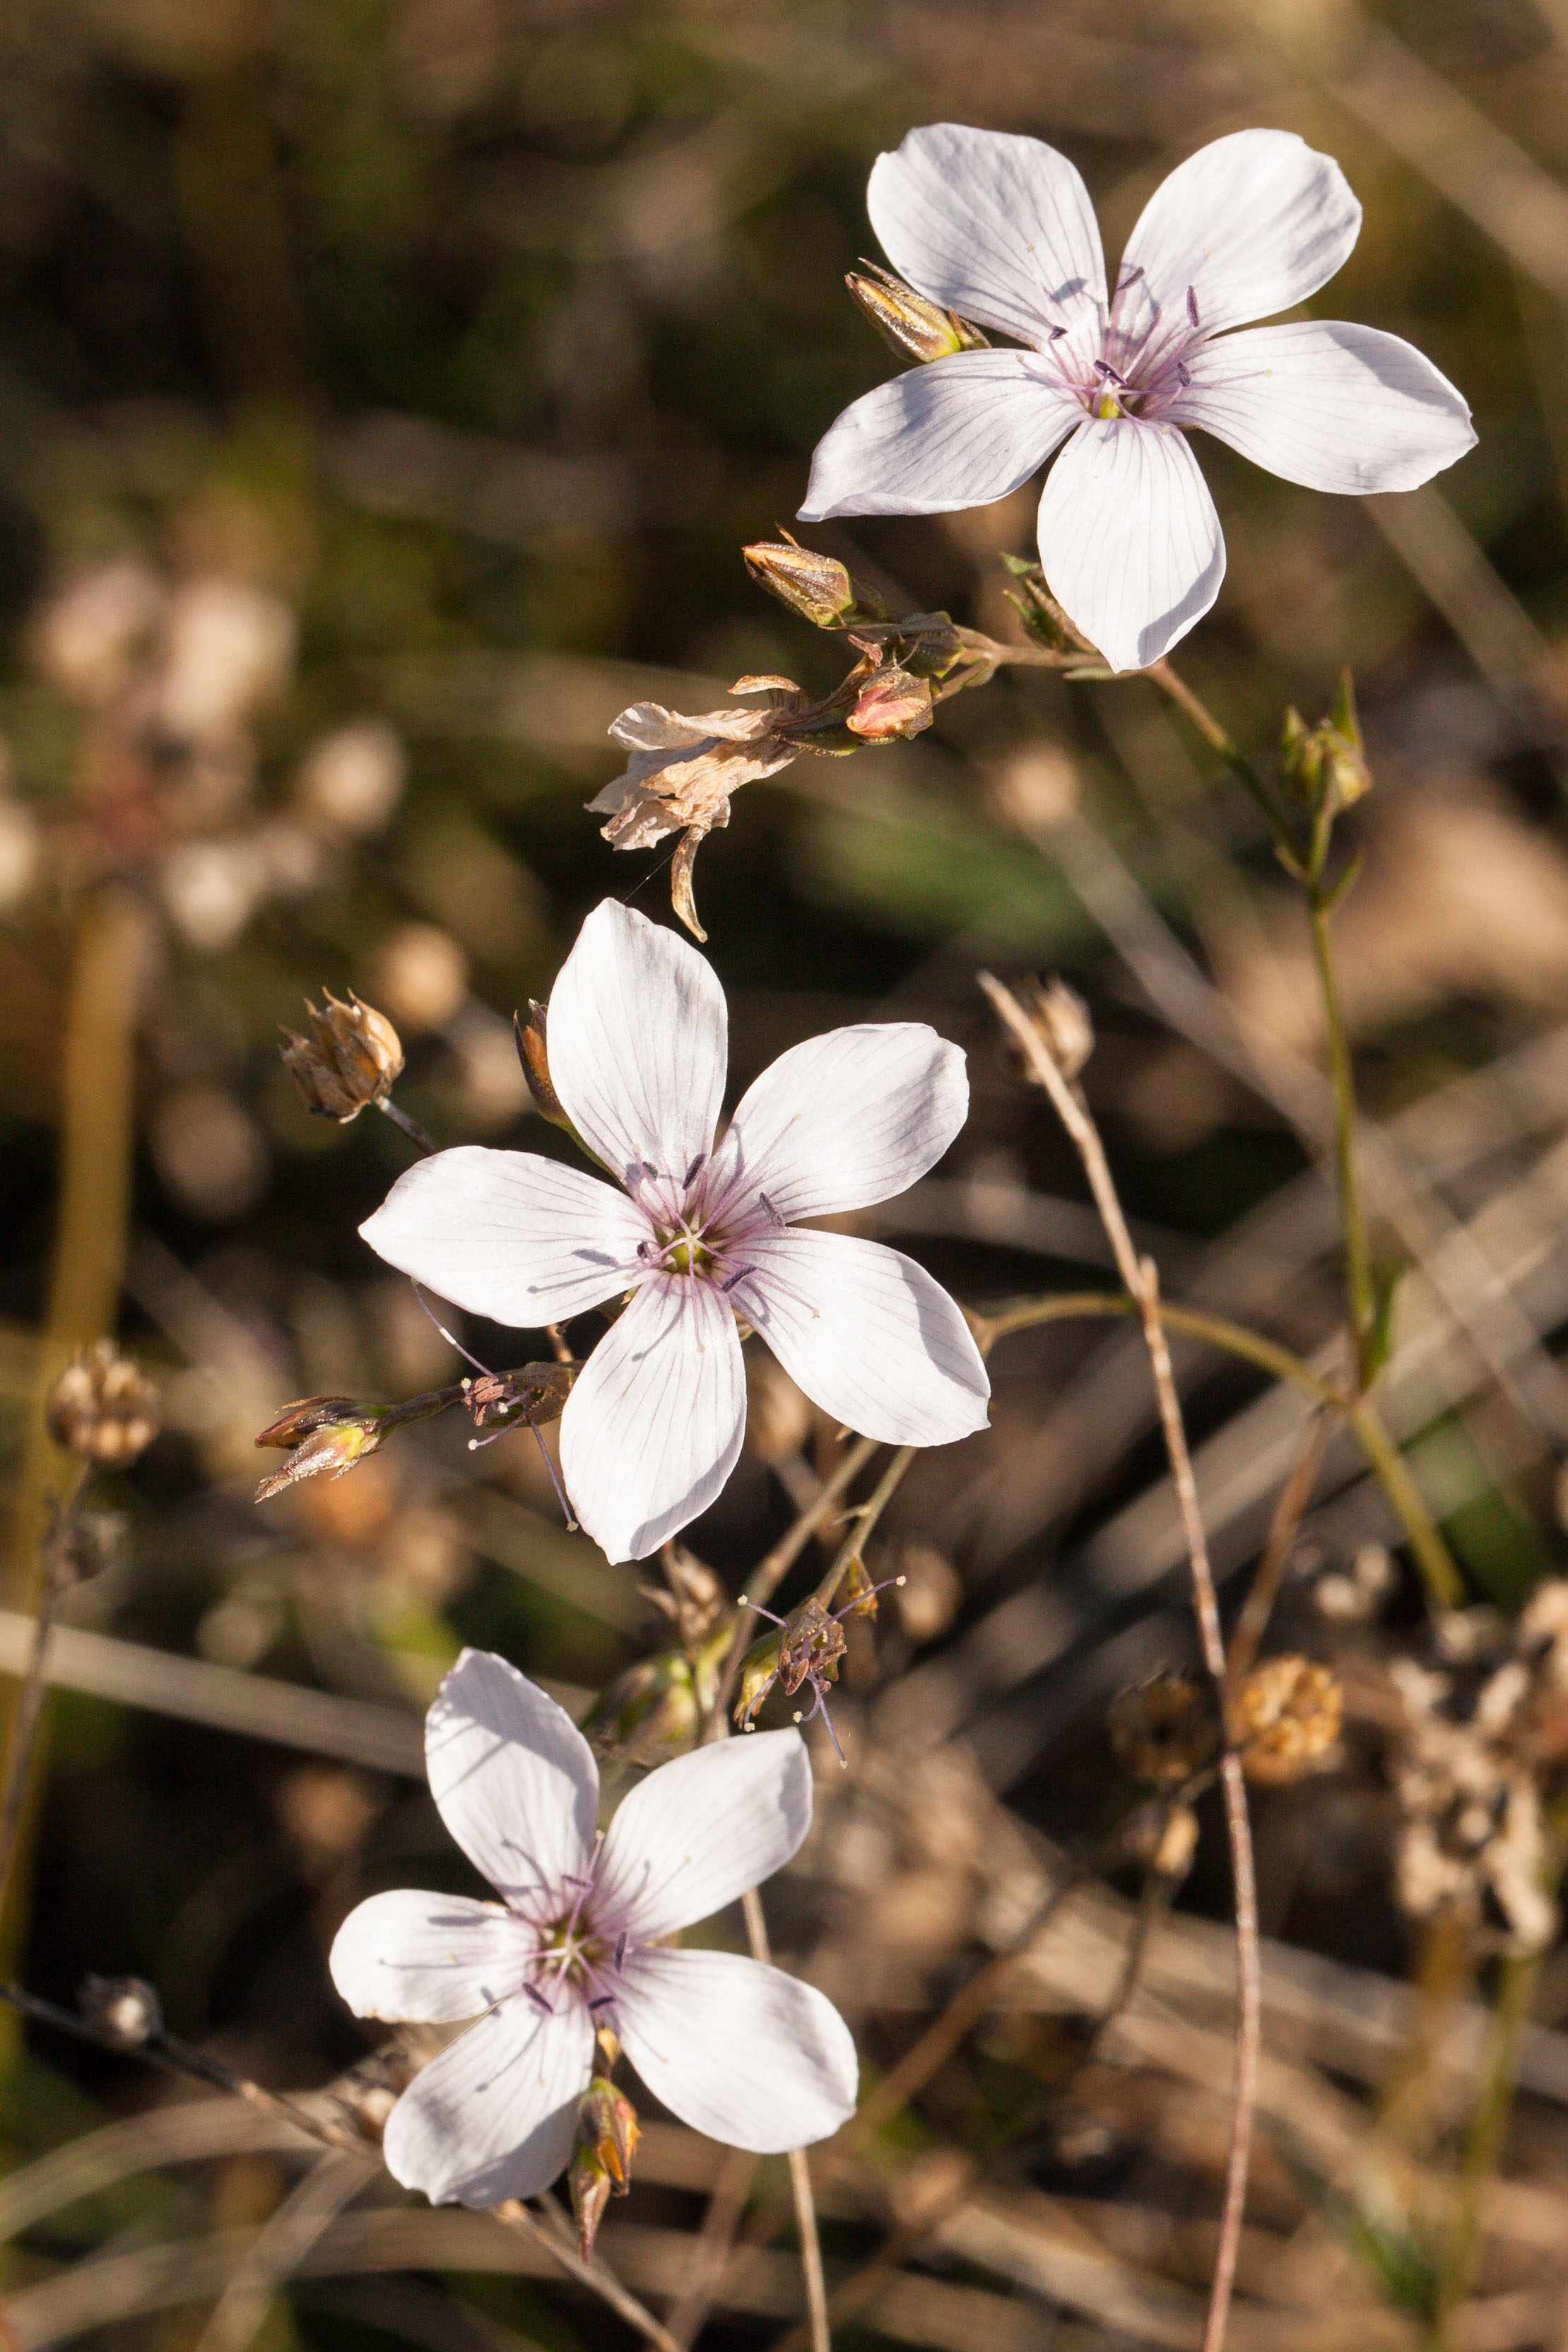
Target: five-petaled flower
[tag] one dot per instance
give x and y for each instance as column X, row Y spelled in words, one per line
column 581, row 1939
column 702, row 1231
column 999, row 228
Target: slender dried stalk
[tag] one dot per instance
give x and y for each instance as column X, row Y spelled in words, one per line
column 1258, row 1606
column 1142, row 1280
column 821, row 2335
column 34, row 1687
column 770, row 1571
column 686, row 2318
column 864, row 1518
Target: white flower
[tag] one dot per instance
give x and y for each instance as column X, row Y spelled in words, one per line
column 637, row 1043
column 737, row 2050
column 1001, row 229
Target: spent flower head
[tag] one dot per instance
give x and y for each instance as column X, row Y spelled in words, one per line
column 699, row 1228
column 103, row 1407
column 999, row 229
column 579, row 1943
column 352, row 1056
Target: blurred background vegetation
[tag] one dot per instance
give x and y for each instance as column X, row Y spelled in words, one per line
column 386, row 390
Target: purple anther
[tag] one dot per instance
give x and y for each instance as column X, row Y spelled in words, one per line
column 539, row 1999
column 734, row 1281
column 1192, row 306
column 1184, row 373
column 772, row 1212
column 646, row 1252
column 1130, row 277
column 602, row 2001
column 692, row 1170
column 620, row 1950
column 1056, row 334
column 1104, row 370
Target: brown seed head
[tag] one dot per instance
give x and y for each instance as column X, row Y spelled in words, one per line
column 103, row 1407
column 1061, row 1019
column 607, row 2136
column 1286, row 1719
column 352, row 1056
column 1164, row 1730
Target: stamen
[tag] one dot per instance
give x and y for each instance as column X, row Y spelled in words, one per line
column 539, row 1999
column 646, row 1252
column 447, row 1336
column 1184, row 373
column 1129, row 276
column 1192, row 306
column 602, row 2001
column 743, row 1603
column 778, row 1221
column 733, row 1281
column 692, row 1170
column 621, row 1951
column 1056, row 334
column 1104, row 369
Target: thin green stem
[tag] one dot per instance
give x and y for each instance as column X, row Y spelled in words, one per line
column 1361, row 1297
column 865, row 1516
column 1383, row 1459
column 1483, row 2147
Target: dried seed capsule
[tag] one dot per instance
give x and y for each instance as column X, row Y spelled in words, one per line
column 1163, row 1731
column 1286, row 1719
column 103, row 1407
column 352, row 1056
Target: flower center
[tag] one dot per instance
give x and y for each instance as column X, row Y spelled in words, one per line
column 575, row 1959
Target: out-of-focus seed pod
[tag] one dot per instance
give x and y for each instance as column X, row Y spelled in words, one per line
column 1285, row 1719
column 352, row 1056
column 1323, row 768
column 1060, row 1020
column 820, row 588
column 910, row 323
column 103, row 1407
column 1164, row 1730
column 535, row 1059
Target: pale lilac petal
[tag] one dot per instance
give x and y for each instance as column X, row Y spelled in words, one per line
column 514, row 1782
column 1129, row 539
column 1253, row 223
column 848, row 1119
column 494, row 2115
column 869, row 1336
column 638, row 1041
column 1333, row 407
column 698, row 1832
column 736, row 2049
column 508, row 1235
column 652, row 1426
column 995, row 227
column 435, row 1958
column 957, row 432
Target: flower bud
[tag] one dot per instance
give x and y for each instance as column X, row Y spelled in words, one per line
column 648, row 1713
column 1325, row 767
column 893, row 702
column 327, row 1433
column 351, row 1059
column 758, row 1672
column 125, row 2007
column 911, row 323
column 531, row 1053
column 1162, row 1731
column 860, row 1592
column 820, row 589
column 103, row 1407
column 607, row 2136
column 1285, row 1719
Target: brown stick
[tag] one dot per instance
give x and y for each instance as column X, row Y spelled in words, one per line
column 1142, row 1280
column 821, row 2335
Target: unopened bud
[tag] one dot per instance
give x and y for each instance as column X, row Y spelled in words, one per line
column 758, row 1672
column 859, row 1592
column 352, row 1057
column 125, row 2007
column 820, row 589
column 648, row 1713
column 1163, row 1731
column 911, row 323
column 1285, row 1720
column 607, row 2136
column 103, row 1407
column 893, row 702
column 531, row 1053
column 1325, row 767
column 1060, row 1020
column 328, row 1434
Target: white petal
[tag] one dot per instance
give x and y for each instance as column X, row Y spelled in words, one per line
column 638, row 1039
column 848, row 1119
column 738, row 2050
column 653, row 1427
column 1334, row 406
column 957, row 433
column 1253, row 223
column 995, row 227
column 699, row 1831
column 494, row 2115
column 1129, row 539
column 515, row 1780
column 435, row 1958
column 868, row 1336
column 505, row 1234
